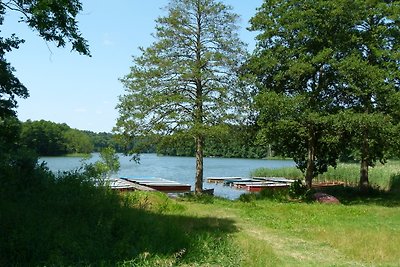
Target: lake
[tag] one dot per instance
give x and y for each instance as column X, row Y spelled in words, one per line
column 180, row 169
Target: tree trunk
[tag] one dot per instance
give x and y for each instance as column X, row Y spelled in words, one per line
column 199, row 164
column 364, row 182
column 310, row 159
column 198, row 113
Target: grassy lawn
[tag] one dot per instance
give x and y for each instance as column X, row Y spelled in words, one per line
column 69, row 222
column 297, row 234
column 271, row 233
column 153, row 230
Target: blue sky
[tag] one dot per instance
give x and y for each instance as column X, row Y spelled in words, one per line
column 83, row 91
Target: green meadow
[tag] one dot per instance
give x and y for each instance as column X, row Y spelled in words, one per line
column 66, row 221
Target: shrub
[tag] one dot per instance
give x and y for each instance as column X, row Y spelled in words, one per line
column 394, row 183
column 247, row 197
column 273, row 194
column 297, row 189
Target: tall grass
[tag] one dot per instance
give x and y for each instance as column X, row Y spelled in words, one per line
column 324, row 235
column 349, row 173
column 288, row 172
column 379, row 175
column 66, row 221
column 272, row 233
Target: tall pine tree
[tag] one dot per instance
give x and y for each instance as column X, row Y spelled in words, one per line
column 186, row 80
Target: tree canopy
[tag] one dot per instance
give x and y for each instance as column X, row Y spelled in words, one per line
column 340, row 58
column 55, row 21
column 185, row 81
column 47, row 138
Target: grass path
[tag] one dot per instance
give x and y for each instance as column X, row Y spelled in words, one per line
column 261, row 245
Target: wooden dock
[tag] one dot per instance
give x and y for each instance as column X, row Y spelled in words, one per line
column 220, row 180
column 124, row 185
column 275, row 179
column 159, row 184
column 269, row 186
column 253, row 184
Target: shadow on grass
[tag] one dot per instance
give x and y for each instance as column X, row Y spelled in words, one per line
column 347, row 195
column 69, row 222
column 352, row 195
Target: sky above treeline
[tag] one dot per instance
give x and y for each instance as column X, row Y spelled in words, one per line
column 82, row 91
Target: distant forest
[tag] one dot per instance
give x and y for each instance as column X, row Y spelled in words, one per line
column 56, row 139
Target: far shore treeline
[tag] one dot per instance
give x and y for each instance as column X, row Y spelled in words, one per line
column 58, row 139
column 48, row 138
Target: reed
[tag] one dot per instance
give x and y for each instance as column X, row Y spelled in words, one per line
column 379, row 175
column 288, row 172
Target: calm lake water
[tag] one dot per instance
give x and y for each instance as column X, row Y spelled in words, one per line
column 180, row 169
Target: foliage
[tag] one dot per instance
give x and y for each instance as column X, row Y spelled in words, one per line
column 176, row 145
column 298, row 132
column 293, row 65
column 334, row 56
column 103, row 140
column 109, row 162
column 53, row 139
column 186, row 81
column 10, row 86
column 297, row 189
column 10, row 128
column 54, row 21
column 46, row 138
column 235, row 141
column 371, row 80
column 78, row 142
column 394, row 184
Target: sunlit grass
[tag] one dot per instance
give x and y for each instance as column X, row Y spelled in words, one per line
column 324, row 235
column 299, row 234
column 288, row 172
column 69, row 222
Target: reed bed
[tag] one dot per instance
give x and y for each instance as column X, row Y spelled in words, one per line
column 379, row 175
